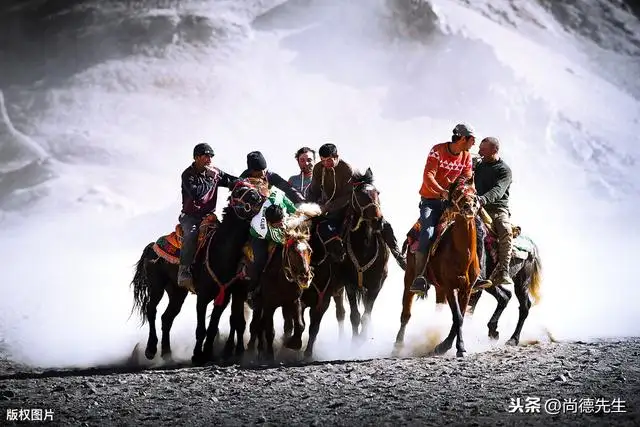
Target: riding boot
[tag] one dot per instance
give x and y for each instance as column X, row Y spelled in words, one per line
column 420, row 283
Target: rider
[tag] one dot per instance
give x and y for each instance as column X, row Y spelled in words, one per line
column 257, row 168
column 445, row 163
column 200, row 183
column 266, row 226
column 331, row 185
column 492, row 181
column 306, row 158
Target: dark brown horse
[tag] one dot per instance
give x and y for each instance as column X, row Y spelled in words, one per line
column 287, row 274
column 526, row 271
column 453, row 265
column 365, row 269
column 154, row 275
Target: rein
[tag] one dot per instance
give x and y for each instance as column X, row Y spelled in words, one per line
column 288, row 269
column 361, row 269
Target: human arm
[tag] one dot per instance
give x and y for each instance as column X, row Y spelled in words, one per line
column 283, row 185
column 429, row 174
column 226, row 180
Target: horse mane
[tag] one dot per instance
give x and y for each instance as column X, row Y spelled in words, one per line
column 297, row 229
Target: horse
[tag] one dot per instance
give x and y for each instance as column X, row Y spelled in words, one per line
column 155, row 274
column 366, row 267
column 526, row 271
column 287, row 274
column 219, row 272
column 453, row 264
column 328, row 253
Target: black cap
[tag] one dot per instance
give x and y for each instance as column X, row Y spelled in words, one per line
column 256, row 161
column 328, row 150
column 201, row 149
column 463, row 129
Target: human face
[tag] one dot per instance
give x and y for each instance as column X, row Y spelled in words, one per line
column 329, row 162
column 203, row 161
column 305, row 162
column 468, row 142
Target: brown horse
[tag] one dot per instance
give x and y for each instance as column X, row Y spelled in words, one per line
column 453, row 266
column 287, row 274
column 155, row 275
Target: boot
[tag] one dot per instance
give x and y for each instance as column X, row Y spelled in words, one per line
column 501, row 277
column 420, row 283
column 185, row 280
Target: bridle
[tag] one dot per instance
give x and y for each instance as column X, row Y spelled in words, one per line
column 292, row 244
column 466, row 191
column 240, row 205
column 324, row 243
column 356, row 206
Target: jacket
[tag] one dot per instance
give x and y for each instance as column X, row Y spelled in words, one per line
column 200, row 190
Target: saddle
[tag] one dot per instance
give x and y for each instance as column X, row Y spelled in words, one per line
column 168, row 246
column 522, row 245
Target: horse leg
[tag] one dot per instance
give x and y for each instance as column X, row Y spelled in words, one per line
column 315, row 314
column 268, row 330
column 341, row 313
column 295, row 311
column 369, row 301
column 288, row 324
column 446, row 344
column 254, row 327
column 354, row 314
column 238, row 320
column 502, row 296
column 212, row 329
column 407, row 301
column 462, row 302
column 525, row 305
column 201, row 330
column 473, row 301
column 177, row 296
column 156, row 293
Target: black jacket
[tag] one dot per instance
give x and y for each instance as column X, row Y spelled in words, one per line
column 200, row 190
column 492, row 181
column 281, row 183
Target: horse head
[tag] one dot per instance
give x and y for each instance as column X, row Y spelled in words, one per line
column 246, row 199
column 329, row 239
column 296, row 255
column 464, row 198
column 365, row 202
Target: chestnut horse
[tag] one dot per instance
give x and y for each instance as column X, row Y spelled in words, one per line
column 453, row 264
column 287, row 274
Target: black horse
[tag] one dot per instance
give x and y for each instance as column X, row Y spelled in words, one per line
column 368, row 239
column 214, row 271
column 527, row 277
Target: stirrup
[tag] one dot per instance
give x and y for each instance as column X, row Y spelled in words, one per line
column 419, row 285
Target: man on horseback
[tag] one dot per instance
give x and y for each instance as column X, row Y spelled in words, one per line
column 445, row 163
column 200, row 183
column 257, row 168
column 306, row 158
column 492, row 181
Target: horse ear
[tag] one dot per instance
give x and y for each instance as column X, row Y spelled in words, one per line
column 368, row 173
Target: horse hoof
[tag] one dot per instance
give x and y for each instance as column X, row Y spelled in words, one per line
column 150, row 353
column 494, row 335
column 294, row 343
column 512, row 342
column 167, row 357
column 460, row 353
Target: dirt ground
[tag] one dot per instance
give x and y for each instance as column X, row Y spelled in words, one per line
column 602, row 378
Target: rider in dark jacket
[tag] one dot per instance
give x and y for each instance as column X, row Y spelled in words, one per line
column 257, row 168
column 200, row 183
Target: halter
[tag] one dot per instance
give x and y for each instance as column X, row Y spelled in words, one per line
column 288, row 269
column 238, row 203
column 324, row 243
column 357, row 206
column 466, row 191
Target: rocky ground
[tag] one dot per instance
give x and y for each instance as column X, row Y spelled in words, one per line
column 475, row 390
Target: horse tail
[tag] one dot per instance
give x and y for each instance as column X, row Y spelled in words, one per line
column 141, row 285
column 536, row 277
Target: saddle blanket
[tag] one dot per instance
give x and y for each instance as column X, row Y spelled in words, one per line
column 168, row 246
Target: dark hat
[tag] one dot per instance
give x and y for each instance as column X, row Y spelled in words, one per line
column 201, row 149
column 256, row 161
column 462, row 129
column 328, row 150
